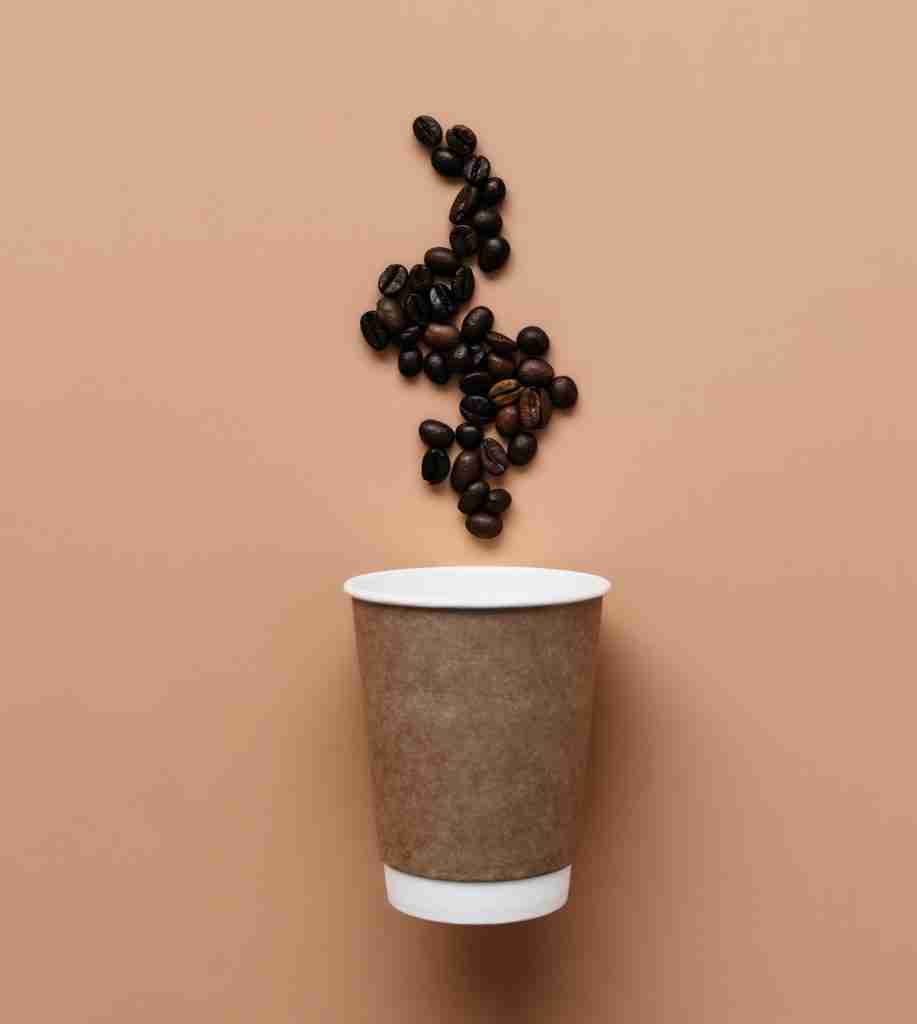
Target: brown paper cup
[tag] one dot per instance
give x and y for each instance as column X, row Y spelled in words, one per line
column 478, row 684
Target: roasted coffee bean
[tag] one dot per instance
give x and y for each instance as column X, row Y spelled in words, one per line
column 464, row 205
column 493, row 253
column 474, row 497
column 465, row 470
column 507, row 421
column 476, row 383
column 391, row 314
column 533, row 341
column 468, row 436
column 564, row 392
column 477, row 170
column 461, row 139
column 427, row 131
column 463, row 240
column 410, row 337
column 393, row 279
column 479, row 355
column 493, row 191
column 436, row 434
column 410, row 362
column 500, row 344
column 477, row 409
column 374, row 330
column 443, row 304
column 535, row 373
column 484, row 525
column 493, row 457
column 547, row 406
column 477, row 323
column 498, row 501
column 500, row 367
column 463, row 284
column 420, row 278
column 442, row 261
column 487, row 222
column 447, row 163
column 459, row 358
column 522, row 449
column 530, row 409
column 417, row 308
column 436, row 368
column 441, row 336
column 434, row 466
column 505, row 392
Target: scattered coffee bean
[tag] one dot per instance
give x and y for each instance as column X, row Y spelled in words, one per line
column 474, row 497
column 463, row 284
column 487, row 222
column 443, row 304
column 442, row 261
column 493, row 457
column 477, row 323
column 505, row 392
column 461, row 140
column 498, row 501
column 436, row 434
column 465, row 470
column 468, row 436
column 459, row 358
column 441, row 336
column 463, row 240
column 530, row 409
column 535, row 373
column 493, row 253
column 420, row 278
column 436, row 368
column 500, row 367
column 447, row 163
column 464, row 205
column 477, row 170
column 507, row 421
column 476, row 383
column 477, row 409
column 374, row 330
column 410, row 337
column 434, row 466
column 484, row 525
column 564, row 392
column 393, row 279
column 417, row 308
column 493, row 191
column 522, row 449
column 391, row 314
column 410, row 362
column 547, row 406
column 500, row 344
column 479, row 355
column 427, row 131
column 533, row 341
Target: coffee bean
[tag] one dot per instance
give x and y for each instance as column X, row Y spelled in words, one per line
column 374, row 330
column 530, row 409
column 391, row 314
column 464, row 205
column 441, row 336
column 410, row 362
column 463, row 284
column 459, row 358
column 417, row 308
column 463, row 240
column 479, row 355
column 487, row 222
column 505, row 392
column 461, row 140
column 493, row 457
column 533, row 341
column 498, row 501
column 474, row 497
column 484, row 525
column 465, row 470
column 535, row 373
column 493, row 253
column 564, row 392
column 393, row 279
column 436, row 368
column 442, row 261
column 493, row 191
column 443, row 304
column 420, row 278
column 500, row 367
column 477, row 409
column 427, row 131
column 477, row 170
column 477, row 323
column 500, row 344
column 410, row 337
column 436, row 434
column 547, row 406
column 468, row 436
column 476, row 383
column 434, row 466
column 522, row 449
column 507, row 421
column 447, row 163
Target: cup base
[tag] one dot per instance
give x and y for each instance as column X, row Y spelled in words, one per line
column 477, row 902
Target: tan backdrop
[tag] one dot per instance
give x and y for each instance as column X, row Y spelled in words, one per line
column 713, row 214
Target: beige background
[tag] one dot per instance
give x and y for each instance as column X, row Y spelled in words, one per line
column 713, row 214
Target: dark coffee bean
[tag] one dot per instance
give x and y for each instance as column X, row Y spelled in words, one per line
column 564, row 392
column 493, row 253
column 436, row 434
column 442, row 261
column 420, row 278
column 522, row 449
column 474, row 497
column 498, row 501
column 477, row 409
column 461, row 139
column 441, row 336
column 443, row 304
column 374, row 330
column 535, row 373
column 391, row 314
column 417, row 308
column 436, row 368
column 463, row 284
column 434, row 467
column 530, row 409
column 507, row 421
column 547, row 406
column 493, row 191
column 493, row 457
column 476, row 383
column 468, row 436
column 447, row 163
column 459, row 358
column 477, row 170
column 427, row 131
column 500, row 344
column 464, row 205
column 410, row 337
column 465, row 470
column 477, row 323
column 410, row 362
column 479, row 355
column 500, row 367
column 487, row 222
column 393, row 279
column 505, row 392
column 533, row 341
column 484, row 525
column 463, row 240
